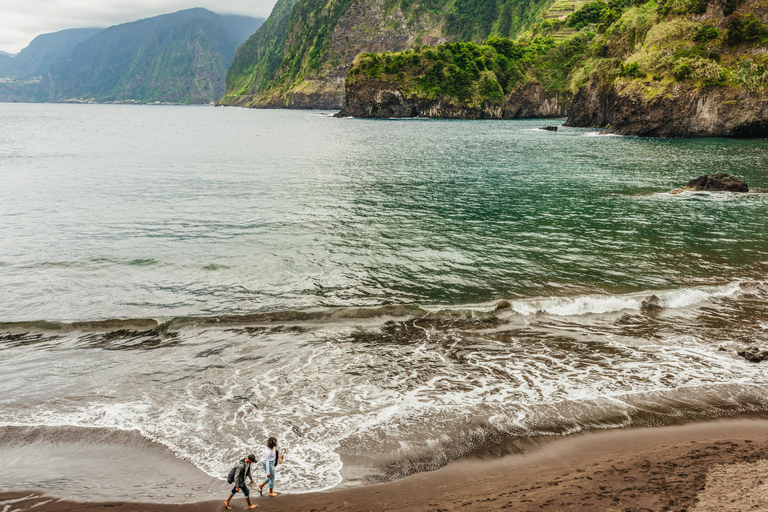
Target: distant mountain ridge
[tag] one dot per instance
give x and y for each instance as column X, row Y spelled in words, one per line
column 44, row 51
column 177, row 58
column 5, row 59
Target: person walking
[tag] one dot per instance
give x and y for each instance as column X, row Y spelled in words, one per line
column 242, row 470
column 271, row 456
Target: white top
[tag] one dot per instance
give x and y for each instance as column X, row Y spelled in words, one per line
column 270, row 455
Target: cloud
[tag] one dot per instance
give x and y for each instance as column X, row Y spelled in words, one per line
column 21, row 21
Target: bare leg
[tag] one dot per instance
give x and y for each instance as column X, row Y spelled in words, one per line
column 250, row 505
column 226, row 503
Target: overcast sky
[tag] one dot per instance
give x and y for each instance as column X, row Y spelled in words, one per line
column 22, row 20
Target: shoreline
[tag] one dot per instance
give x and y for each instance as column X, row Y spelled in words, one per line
column 720, row 464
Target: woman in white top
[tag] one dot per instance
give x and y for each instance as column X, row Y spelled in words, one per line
column 270, row 461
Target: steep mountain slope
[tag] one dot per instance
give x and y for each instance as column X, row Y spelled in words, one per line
column 180, row 57
column 5, row 59
column 44, row 50
column 303, row 52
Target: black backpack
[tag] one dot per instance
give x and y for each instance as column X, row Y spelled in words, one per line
column 231, row 475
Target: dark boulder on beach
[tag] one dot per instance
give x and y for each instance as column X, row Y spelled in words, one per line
column 753, row 354
column 718, row 183
column 504, row 304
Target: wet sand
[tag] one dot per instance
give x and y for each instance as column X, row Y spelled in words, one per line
column 719, row 465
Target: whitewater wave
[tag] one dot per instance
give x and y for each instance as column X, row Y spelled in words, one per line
column 601, row 304
column 558, row 306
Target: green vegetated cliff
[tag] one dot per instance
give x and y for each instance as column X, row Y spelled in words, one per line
column 659, row 68
column 301, row 55
column 501, row 78
column 678, row 68
column 178, row 58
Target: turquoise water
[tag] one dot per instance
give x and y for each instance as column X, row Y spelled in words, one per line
column 164, row 211
column 279, row 231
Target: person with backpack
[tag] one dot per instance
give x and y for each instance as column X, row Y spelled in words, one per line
column 272, row 458
column 237, row 476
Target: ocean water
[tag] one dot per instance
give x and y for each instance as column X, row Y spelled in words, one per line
column 332, row 282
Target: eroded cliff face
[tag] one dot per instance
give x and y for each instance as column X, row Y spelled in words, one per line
column 299, row 58
column 321, row 41
column 692, row 70
column 676, row 110
column 382, row 99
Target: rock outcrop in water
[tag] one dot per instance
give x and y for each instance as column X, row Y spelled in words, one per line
column 718, row 183
column 753, row 354
column 651, row 305
column 714, row 183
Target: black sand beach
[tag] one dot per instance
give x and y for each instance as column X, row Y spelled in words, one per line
column 717, row 465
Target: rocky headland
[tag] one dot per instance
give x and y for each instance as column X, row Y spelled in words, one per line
column 385, row 99
column 628, row 107
column 673, row 68
column 500, row 79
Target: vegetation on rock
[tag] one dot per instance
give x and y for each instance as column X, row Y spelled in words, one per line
column 471, row 73
column 658, row 49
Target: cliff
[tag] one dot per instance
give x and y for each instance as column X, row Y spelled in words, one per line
column 381, row 99
column 695, row 69
column 501, row 79
column 672, row 110
column 674, row 68
column 301, row 56
column 180, row 58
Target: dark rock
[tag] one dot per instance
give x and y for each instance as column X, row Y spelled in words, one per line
column 672, row 110
column 718, row 182
column 753, row 354
column 549, row 128
column 376, row 98
column 651, row 305
column 504, row 304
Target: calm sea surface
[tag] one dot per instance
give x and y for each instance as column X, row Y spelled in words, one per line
column 294, row 225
